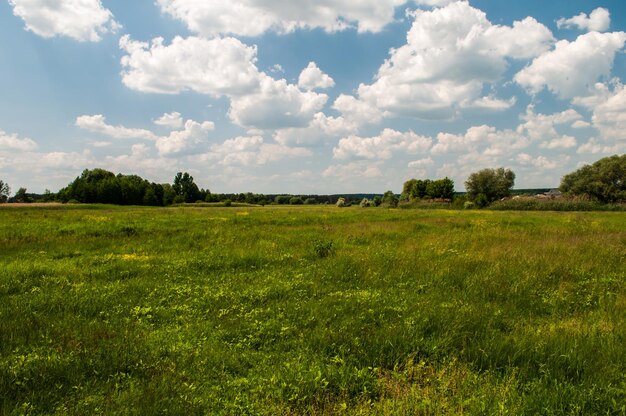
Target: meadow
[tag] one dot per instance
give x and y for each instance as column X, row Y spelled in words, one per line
column 311, row 310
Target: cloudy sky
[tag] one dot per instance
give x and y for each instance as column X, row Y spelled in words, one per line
column 309, row 96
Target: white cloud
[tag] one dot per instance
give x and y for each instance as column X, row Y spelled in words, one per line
column 563, row 142
column 421, row 163
column 359, row 169
column 312, row 77
column 381, row 147
column 97, row 124
column 450, row 55
column 542, row 127
column 13, row 142
column 215, row 67
column 580, row 124
column 321, row 129
column 252, row 150
column 219, row 67
column 489, row 140
column 599, row 20
column 434, row 3
column 594, row 146
column 255, row 17
column 186, row 141
column 609, row 116
column 82, row 20
column 171, row 120
column 572, row 68
column 276, row 104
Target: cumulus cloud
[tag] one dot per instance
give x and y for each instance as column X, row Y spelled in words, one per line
column 599, row 20
column 13, row 142
column 276, row 104
column 358, row 169
column 434, row 3
column 252, row 150
column 82, row 20
column 190, row 139
column 609, row 113
column 312, row 77
column 219, row 67
column 255, row 17
column 381, row 147
column 572, row 68
column 543, row 127
column 170, row 120
column 97, row 124
column 321, row 129
column 450, row 55
column 215, row 67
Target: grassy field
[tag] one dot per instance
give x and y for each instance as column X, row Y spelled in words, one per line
column 311, row 310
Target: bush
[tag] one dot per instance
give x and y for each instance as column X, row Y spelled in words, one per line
column 296, row 200
column 341, row 202
column 365, row 203
column 323, row 248
column 468, row 205
column 604, row 181
column 310, row 201
column 488, row 185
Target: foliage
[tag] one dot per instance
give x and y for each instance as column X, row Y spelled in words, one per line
column 365, row 203
column 389, row 200
column 296, row 200
column 488, row 185
column 104, row 187
column 310, row 201
column 429, row 189
column 21, row 196
column 561, row 204
column 282, row 199
column 341, row 202
column 5, row 191
column 142, row 310
column 185, row 188
column 603, row 181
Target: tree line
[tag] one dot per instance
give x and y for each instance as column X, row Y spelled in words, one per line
column 603, row 181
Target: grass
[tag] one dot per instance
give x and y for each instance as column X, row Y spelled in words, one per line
column 311, row 310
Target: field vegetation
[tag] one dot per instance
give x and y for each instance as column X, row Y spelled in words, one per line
column 311, row 310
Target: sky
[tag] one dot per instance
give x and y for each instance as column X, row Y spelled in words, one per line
column 309, row 97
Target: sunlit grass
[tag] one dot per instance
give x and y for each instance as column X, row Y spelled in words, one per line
column 318, row 310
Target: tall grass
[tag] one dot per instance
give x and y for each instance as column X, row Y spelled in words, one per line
column 311, row 310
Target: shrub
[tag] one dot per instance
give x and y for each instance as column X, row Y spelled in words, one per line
column 488, row 185
column 341, row 202
column 365, row 203
column 323, row 248
column 604, row 181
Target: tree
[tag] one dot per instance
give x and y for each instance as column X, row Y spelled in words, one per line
column 488, row 185
column 21, row 196
column 5, row 191
column 604, row 181
column 185, row 187
column 296, row 200
column 390, row 199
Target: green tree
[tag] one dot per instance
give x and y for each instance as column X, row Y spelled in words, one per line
column 390, row 199
column 296, row 200
column 441, row 188
column 21, row 196
column 5, row 191
column 282, row 200
column 185, row 187
column 493, row 184
column 604, row 181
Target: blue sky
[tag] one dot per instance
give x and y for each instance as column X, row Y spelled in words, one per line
column 333, row 96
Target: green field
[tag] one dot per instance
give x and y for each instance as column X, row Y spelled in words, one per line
column 311, row 310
